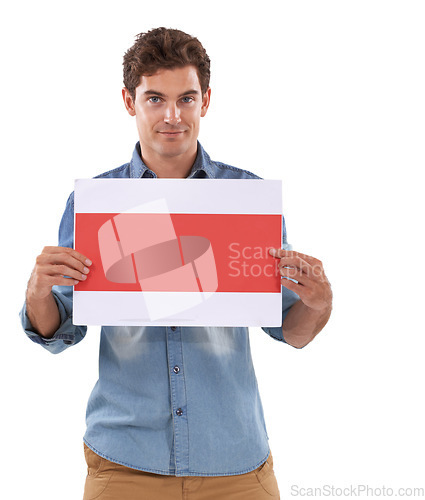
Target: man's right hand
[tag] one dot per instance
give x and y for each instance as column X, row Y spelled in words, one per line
column 51, row 268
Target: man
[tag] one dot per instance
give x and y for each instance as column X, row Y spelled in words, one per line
column 176, row 410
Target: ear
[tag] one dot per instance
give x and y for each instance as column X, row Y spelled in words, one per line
column 206, row 102
column 128, row 102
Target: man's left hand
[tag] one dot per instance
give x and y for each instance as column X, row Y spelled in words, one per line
column 313, row 287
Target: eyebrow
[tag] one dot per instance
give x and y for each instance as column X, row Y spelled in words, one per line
column 160, row 94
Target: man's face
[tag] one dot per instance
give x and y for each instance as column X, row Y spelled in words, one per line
column 168, row 108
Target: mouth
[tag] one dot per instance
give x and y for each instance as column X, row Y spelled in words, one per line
column 167, row 133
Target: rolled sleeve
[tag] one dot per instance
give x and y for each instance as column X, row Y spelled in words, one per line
column 66, row 335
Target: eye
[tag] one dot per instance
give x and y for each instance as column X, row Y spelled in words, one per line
column 187, row 99
column 155, row 99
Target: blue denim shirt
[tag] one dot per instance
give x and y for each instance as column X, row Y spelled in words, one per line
column 178, row 401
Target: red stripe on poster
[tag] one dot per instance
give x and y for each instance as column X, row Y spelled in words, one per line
column 221, row 252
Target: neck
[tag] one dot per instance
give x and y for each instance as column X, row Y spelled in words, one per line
column 172, row 167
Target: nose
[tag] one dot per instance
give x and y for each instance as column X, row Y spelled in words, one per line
column 172, row 115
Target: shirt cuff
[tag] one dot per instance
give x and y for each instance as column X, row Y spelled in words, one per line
column 64, row 335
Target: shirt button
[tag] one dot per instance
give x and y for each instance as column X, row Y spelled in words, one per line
column 176, row 369
column 174, row 328
column 179, row 412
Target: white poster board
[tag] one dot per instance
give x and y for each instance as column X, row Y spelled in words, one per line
column 179, row 252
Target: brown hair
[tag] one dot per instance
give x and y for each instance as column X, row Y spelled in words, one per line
column 164, row 48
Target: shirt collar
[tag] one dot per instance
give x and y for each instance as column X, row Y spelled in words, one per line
column 202, row 163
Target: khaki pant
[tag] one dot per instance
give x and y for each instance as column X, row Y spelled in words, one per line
column 110, row 481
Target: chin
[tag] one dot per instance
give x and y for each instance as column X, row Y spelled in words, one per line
column 173, row 149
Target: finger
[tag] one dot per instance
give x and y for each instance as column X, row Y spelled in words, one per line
column 295, row 274
column 68, row 260
column 311, row 260
column 302, row 291
column 291, row 285
column 62, row 270
column 39, row 282
column 66, row 250
column 310, row 266
column 295, row 262
column 61, row 281
column 287, row 254
column 280, row 252
column 313, row 268
column 316, row 264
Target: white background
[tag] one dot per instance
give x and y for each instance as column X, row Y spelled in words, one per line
column 327, row 96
